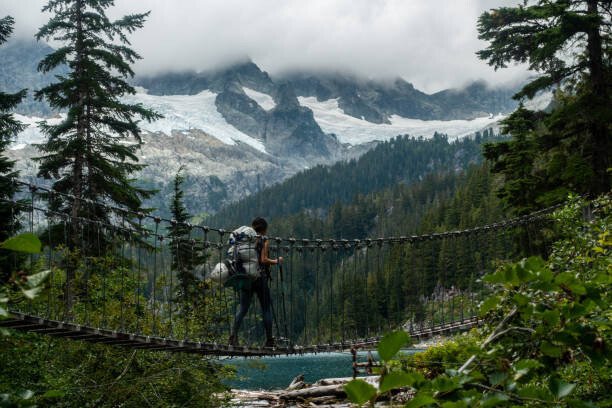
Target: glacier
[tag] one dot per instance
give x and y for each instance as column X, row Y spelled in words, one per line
column 192, row 112
column 264, row 100
column 353, row 131
column 32, row 134
column 182, row 113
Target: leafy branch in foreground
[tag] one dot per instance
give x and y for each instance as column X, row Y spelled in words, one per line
column 548, row 333
column 22, row 287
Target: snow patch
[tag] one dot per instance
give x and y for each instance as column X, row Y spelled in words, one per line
column 189, row 112
column 262, row 99
column 182, row 113
column 140, row 89
column 540, row 101
column 357, row 131
column 32, row 134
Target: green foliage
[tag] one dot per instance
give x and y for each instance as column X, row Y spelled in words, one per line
column 28, row 243
column 393, row 380
column 360, row 391
column 566, row 149
column 21, row 286
column 82, row 374
column 547, row 337
column 434, row 361
column 67, row 373
column 9, row 128
column 183, row 249
column 391, row 344
column 25, row 287
column 514, row 159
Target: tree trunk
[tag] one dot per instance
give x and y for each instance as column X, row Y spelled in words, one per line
column 598, row 126
column 77, row 171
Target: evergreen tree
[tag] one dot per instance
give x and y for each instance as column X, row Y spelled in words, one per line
column 568, row 43
column 181, row 245
column 515, row 159
column 9, row 128
column 92, row 152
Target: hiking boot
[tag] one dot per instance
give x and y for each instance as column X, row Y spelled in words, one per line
column 233, row 341
column 270, row 343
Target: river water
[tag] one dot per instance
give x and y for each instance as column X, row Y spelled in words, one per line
column 269, row 373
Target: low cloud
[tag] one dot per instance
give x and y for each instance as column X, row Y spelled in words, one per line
column 429, row 43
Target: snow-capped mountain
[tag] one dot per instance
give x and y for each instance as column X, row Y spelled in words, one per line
column 237, row 129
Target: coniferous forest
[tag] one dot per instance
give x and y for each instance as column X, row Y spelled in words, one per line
column 542, row 288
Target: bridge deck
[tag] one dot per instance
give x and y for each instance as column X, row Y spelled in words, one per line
column 38, row 325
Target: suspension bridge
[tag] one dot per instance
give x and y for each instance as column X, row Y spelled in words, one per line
column 133, row 282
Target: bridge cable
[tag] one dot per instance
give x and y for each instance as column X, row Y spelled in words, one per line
column 291, row 295
column 354, row 293
column 366, row 292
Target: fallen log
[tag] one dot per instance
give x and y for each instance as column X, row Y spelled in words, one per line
column 373, row 380
column 314, row 392
column 255, row 395
column 297, row 383
column 325, row 392
column 328, row 387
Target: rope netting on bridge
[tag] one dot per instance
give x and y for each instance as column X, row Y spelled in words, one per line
column 140, row 281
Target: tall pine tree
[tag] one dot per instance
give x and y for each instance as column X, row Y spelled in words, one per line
column 91, row 154
column 568, row 43
column 181, row 247
column 185, row 255
column 9, row 128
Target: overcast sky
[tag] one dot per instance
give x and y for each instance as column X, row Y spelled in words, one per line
column 431, row 43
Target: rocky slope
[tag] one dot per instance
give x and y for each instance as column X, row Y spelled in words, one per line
column 19, row 69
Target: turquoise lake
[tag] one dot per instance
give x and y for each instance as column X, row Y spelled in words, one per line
column 277, row 372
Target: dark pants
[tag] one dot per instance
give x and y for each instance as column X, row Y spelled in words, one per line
column 261, row 289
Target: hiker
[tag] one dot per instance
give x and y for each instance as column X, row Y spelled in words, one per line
column 258, row 286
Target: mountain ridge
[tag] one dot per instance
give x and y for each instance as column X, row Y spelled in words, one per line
column 374, row 100
column 238, row 129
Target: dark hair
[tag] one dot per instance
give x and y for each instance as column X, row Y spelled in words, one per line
column 259, row 225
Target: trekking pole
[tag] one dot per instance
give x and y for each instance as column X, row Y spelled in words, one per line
column 274, row 313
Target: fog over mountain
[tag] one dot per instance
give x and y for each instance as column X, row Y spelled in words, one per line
column 431, row 44
column 239, row 128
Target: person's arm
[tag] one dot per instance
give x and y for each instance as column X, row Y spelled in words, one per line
column 264, row 256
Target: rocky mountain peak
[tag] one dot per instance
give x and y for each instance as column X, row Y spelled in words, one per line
column 286, row 98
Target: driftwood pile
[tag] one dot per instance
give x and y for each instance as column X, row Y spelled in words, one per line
column 324, row 393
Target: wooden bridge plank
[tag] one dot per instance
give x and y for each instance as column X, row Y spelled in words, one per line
column 34, row 324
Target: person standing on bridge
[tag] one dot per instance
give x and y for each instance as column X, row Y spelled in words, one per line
column 259, row 286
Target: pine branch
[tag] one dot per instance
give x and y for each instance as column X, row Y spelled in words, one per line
column 6, row 28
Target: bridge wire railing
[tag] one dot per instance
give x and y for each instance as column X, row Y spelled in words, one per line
column 126, row 277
